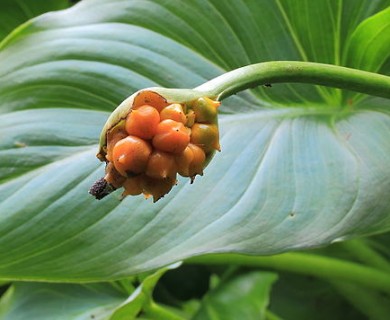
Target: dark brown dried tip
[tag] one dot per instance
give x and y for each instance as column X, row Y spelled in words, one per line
column 101, row 188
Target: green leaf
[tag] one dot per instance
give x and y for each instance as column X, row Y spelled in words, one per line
column 299, row 166
column 141, row 297
column 15, row 12
column 59, row 301
column 75, row 301
column 243, row 297
column 369, row 45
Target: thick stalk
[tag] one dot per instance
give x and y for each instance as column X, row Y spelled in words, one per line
column 299, row 72
column 155, row 311
column 308, row 264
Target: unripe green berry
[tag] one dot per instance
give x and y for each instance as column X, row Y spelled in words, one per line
column 205, row 136
column 206, row 110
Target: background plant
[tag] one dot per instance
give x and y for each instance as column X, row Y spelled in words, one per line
column 314, row 167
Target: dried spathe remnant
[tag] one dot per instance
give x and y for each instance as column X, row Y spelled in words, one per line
column 146, row 147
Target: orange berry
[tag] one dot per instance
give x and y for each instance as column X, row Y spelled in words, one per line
column 205, row 136
column 174, row 112
column 197, row 163
column 143, row 122
column 161, row 165
column 131, row 155
column 191, row 161
column 157, row 187
column 171, row 136
column 183, row 161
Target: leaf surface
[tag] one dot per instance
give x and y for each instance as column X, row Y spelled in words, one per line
column 15, row 12
column 97, row 301
column 300, row 166
column 245, row 296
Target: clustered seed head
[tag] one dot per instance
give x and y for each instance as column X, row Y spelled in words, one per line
column 156, row 141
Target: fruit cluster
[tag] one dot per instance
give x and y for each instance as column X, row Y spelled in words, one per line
column 146, row 150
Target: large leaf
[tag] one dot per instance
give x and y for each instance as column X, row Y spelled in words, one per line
column 15, row 12
column 114, row 301
column 245, row 296
column 300, row 166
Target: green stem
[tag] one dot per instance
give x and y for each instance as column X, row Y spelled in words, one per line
column 271, row 316
column 156, row 311
column 300, row 72
column 308, row 264
column 359, row 249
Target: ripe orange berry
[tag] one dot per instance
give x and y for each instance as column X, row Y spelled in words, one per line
column 205, row 136
column 183, row 161
column 161, row 165
column 157, row 187
column 197, row 163
column 191, row 161
column 173, row 112
column 171, row 136
column 131, row 155
column 143, row 122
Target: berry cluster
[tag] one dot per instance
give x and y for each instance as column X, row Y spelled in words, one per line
column 155, row 142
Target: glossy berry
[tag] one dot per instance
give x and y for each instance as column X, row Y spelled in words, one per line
column 206, row 110
column 174, row 112
column 198, row 161
column 191, row 161
column 205, row 136
column 161, row 165
column 157, row 187
column 171, row 136
column 131, row 155
column 143, row 122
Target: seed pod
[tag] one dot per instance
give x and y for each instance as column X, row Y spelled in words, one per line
column 143, row 122
column 174, row 112
column 171, row 136
column 205, row 136
column 131, row 155
column 153, row 135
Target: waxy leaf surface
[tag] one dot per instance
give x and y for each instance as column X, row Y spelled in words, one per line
column 301, row 165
